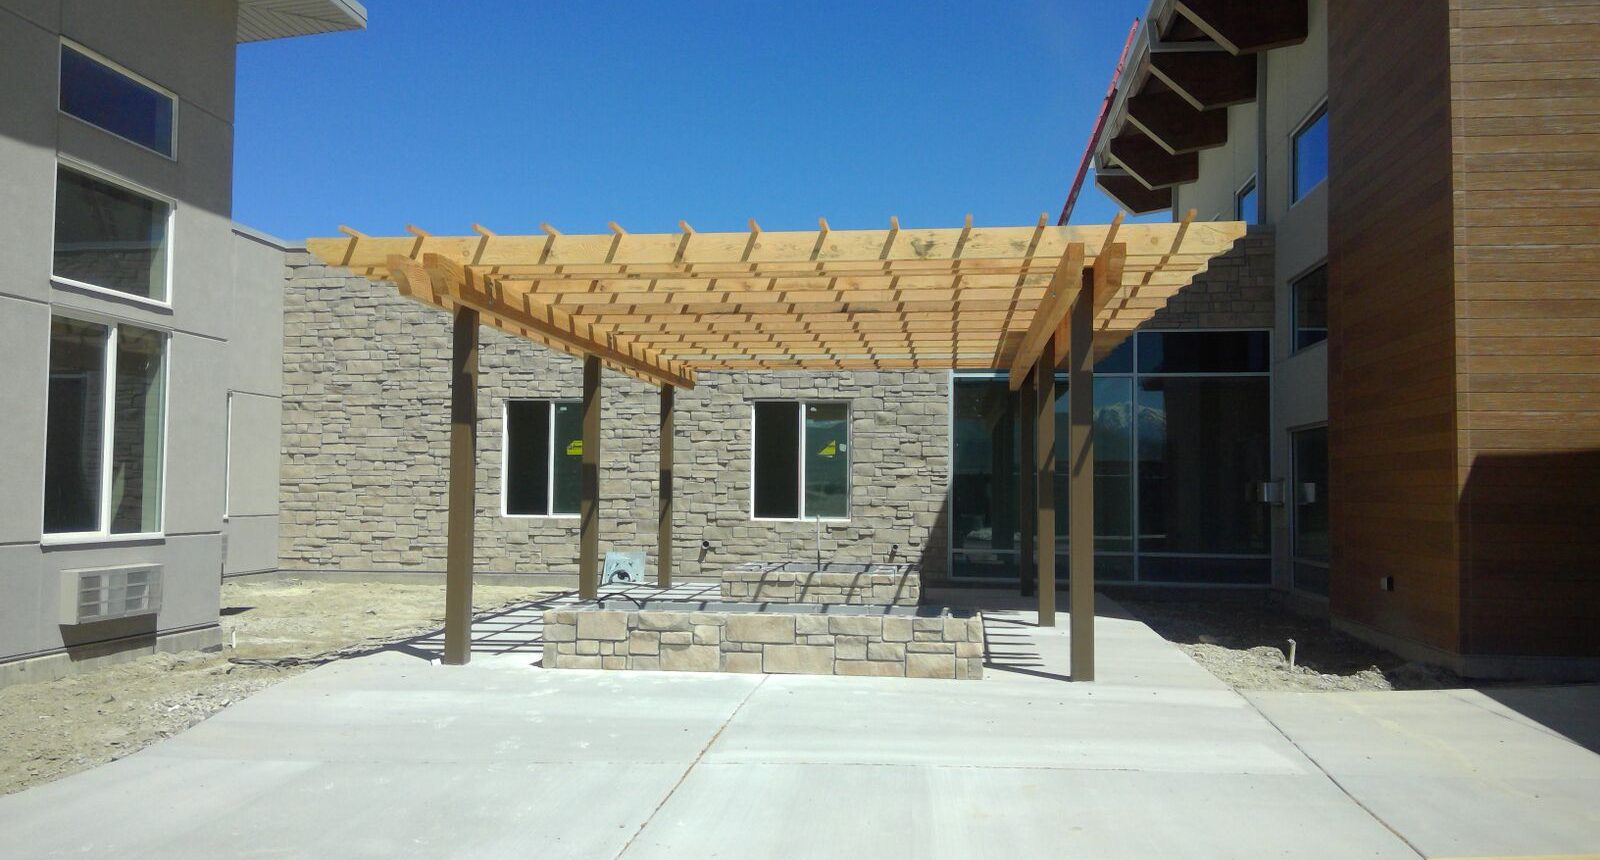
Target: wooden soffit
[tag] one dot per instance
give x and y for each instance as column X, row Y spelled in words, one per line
column 663, row 306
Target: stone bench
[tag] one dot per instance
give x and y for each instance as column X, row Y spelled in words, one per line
column 804, row 640
column 836, row 584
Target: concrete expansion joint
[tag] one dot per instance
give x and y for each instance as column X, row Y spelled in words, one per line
column 692, row 765
column 1333, row 779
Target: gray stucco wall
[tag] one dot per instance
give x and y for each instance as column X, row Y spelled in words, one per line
column 205, row 317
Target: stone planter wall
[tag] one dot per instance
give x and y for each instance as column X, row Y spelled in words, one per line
column 881, row 585
column 881, row 644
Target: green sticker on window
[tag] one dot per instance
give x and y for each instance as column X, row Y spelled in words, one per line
column 575, row 448
column 829, row 450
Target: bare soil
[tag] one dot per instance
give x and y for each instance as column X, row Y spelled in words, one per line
column 54, row 728
column 1243, row 639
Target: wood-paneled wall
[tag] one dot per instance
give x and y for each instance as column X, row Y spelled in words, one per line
column 1525, row 128
column 1393, row 486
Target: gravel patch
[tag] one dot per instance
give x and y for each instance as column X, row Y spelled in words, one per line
column 1243, row 639
column 54, row 728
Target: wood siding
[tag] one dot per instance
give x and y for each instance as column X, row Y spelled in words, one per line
column 1525, row 127
column 1392, row 342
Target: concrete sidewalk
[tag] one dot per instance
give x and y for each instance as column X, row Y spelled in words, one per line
column 391, row 756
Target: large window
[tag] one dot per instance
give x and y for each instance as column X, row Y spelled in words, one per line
column 1181, row 423
column 109, row 236
column 105, row 428
column 112, row 98
column 543, row 461
column 1310, row 514
column 1310, row 152
column 801, row 460
column 1309, row 303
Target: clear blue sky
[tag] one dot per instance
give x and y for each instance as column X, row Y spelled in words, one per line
column 510, row 113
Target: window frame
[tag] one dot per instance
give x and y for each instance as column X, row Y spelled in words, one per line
column 800, row 466
column 550, row 458
column 127, row 73
column 63, row 161
column 1310, row 119
column 1249, row 187
column 1292, row 499
column 104, row 535
column 1135, row 375
column 1294, row 309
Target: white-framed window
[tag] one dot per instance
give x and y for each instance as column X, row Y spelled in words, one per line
column 541, row 458
column 1244, row 202
column 1308, row 149
column 115, row 100
column 105, row 434
column 800, row 460
column 111, row 236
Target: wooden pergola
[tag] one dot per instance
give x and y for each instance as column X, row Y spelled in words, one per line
column 663, row 307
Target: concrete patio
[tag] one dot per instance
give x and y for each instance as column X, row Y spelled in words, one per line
column 391, row 755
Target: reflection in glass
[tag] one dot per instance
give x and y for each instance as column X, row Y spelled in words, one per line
column 107, row 236
column 827, row 460
column 1311, row 308
column 1311, row 154
column 1310, row 517
column 777, row 461
column 100, row 95
column 568, row 456
column 527, row 466
column 75, row 422
column 1202, row 452
column 137, row 431
column 983, row 493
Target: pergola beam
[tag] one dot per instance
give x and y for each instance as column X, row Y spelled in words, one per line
column 443, row 277
column 1058, row 298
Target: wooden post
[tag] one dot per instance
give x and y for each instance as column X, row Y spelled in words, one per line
column 1027, row 400
column 462, row 489
column 1045, row 478
column 664, row 506
column 589, row 484
column 1080, row 488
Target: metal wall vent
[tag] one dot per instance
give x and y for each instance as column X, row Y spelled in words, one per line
column 104, row 593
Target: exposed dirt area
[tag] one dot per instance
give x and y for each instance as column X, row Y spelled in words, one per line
column 54, row 728
column 1244, row 640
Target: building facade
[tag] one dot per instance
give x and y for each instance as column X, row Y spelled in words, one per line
column 1428, row 171
column 140, row 426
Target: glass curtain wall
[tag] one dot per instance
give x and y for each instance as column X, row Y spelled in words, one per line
column 1181, row 430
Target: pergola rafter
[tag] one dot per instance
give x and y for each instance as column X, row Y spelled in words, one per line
column 662, row 307
column 964, row 297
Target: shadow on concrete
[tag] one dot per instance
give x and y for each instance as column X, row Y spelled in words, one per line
column 1572, row 711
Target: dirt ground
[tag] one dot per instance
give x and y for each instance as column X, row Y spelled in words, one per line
column 54, row 728
column 1244, row 640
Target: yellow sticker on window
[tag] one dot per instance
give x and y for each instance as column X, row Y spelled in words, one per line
column 575, row 448
column 829, row 449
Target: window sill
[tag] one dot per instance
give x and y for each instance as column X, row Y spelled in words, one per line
column 541, row 516
column 94, row 540
column 107, row 292
column 824, row 520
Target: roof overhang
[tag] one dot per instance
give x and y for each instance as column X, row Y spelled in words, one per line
column 260, row 20
column 1191, row 60
column 664, row 306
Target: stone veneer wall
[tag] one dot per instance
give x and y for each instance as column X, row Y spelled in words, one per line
column 748, row 583
column 365, row 437
column 365, row 412
column 912, row 646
